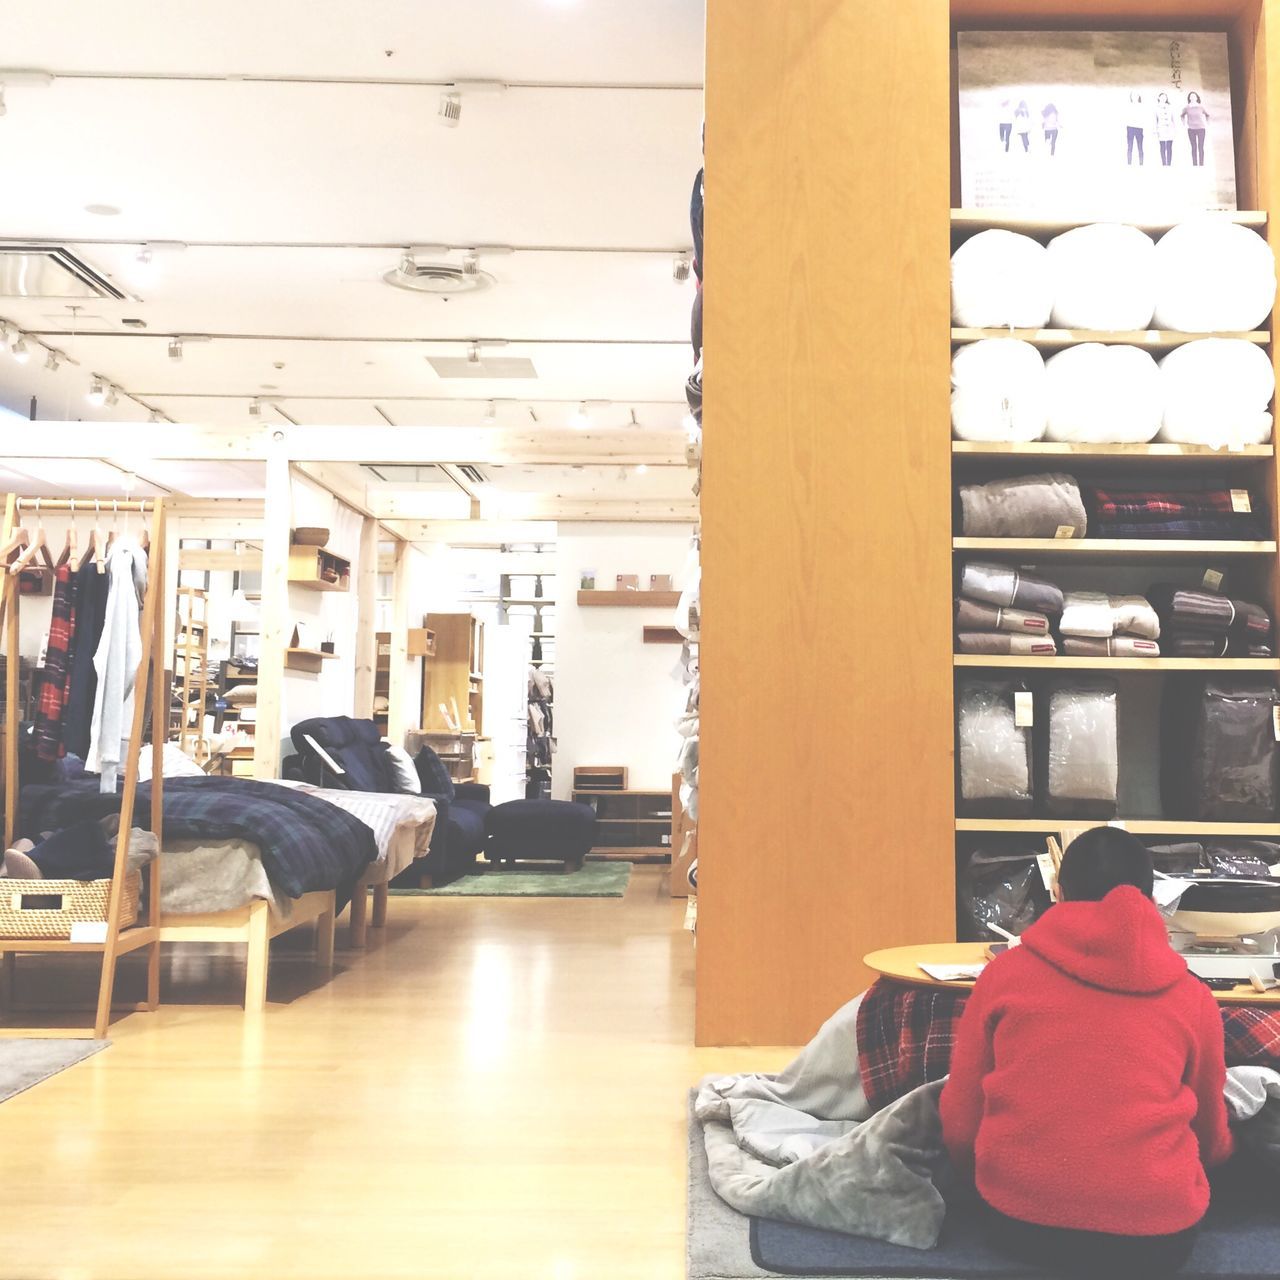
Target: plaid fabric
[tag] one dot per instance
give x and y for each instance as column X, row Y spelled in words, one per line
column 307, row 844
column 1227, row 528
column 55, row 682
column 905, row 1034
column 1148, row 506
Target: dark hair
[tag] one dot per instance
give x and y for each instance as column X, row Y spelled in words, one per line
column 1101, row 859
column 1196, row 96
column 1162, row 97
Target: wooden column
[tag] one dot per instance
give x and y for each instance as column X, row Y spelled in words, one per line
column 398, row 710
column 826, row 822
column 275, row 625
column 366, row 619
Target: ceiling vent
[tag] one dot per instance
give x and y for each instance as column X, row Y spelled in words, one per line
column 440, row 279
column 37, row 271
column 473, row 474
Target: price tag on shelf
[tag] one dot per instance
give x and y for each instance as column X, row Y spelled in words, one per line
column 1024, row 710
column 1065, row 531
column 1240, row 501
column 1212, row 580
column 1045, row 862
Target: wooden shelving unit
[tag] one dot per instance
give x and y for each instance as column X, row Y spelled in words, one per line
column 1148, row 339
column 1138, row 826
column 629, row 599
column 630, row 825
column 1038, row 451
column 314, row 568
column 1115, row 548
column 1064, row 663
column 308, row 660
column 454, row 676
column 1042, row 228
column 191, row 673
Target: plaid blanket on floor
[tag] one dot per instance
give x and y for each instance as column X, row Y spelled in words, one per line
column 307, row 844
column 905, row 1034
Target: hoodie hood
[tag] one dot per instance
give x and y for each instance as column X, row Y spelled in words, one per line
column 1118, row 944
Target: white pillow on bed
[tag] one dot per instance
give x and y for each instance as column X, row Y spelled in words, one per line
column 1000, row 278
column 1216, row 393
column 175, row 763
column 1213, row 277
column 406, row 774
column 1104, row 277
column 1101, row 394
column 998, row 391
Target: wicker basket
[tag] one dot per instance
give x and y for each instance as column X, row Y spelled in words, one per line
column 48, row 908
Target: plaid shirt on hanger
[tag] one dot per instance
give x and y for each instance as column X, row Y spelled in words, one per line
column 55, row 683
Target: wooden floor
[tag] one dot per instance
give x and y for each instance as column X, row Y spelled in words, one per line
column 495, row 1090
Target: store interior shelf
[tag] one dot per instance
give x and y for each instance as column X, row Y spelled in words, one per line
column 309, row 660
column 1137, row 826
column 1116, row 548
column 1064, row 663
column 1110, row 453
column 662, row 635
column 630, row 599
column 1030, row 224
column 1150, row 339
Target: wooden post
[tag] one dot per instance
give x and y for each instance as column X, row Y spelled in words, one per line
column 366, row 620
column 9, row 597
column 398, row 680
column 157, row 574
column 277, row 522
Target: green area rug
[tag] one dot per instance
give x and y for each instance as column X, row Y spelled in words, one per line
column 595, row 880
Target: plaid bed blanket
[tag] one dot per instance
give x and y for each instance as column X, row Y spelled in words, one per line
column 905, row 1035
column 1155, row 506
column 307, row 844
column 1224, row 528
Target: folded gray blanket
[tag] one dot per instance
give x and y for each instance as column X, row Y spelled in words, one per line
column 1041, row 506
column 1002, row 642
column 998, row 584
column 975, row 615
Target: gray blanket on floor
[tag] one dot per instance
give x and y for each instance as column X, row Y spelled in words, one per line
column 803, row 1146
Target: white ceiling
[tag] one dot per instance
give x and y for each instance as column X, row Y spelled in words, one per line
column 294, row 194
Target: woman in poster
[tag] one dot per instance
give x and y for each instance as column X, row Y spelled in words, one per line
column 1196, row 118
column 1166, row 128
column 1006, row 123
column 1022, row 124
column 1136, row 127
column 1049, row 122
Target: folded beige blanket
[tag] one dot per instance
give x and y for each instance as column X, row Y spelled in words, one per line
column 1000, row 642
column 1115, row 647
column 974, row 615
column 1135, row 616
column 1042, row 506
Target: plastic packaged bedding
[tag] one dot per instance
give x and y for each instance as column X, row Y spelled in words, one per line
column 1000, row 884
column 1213, row 276
column 1217, row 392
column 998, row 391
column 1104, row 277
column 995, row 752
column 1082, row 752
column 1102, row 394
column 1000, row 279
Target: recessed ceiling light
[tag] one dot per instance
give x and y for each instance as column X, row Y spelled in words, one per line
column 97, row 394
column 175, row 348
column 102, row 210
column 641, row 468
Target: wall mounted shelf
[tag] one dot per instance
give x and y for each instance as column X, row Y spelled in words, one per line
column 308, row 660
column 629, row 599
column 1148, row 339
column 1115, row 548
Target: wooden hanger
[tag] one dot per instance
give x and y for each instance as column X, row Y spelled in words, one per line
column 69, row 545
column 38, row 545
column 99, row 546
column 17, row 539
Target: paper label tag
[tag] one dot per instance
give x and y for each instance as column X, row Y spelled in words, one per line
column 1024, row 711
column 1212, row 580
column 1045, row 862
column 1240, row 501
column 1066, row 531
column 89, row 931
column 1275, row 722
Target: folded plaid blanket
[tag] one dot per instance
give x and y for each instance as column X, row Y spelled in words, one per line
column 1204, row 613
column 974, row 615
column 1148, row 506
column 307, row 844
column 905, row 1035
column 1221, row 528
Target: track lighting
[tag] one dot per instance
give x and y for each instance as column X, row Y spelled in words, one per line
column 255, row 407
column 681, row 265
column 491, row 414
column 641, row 468
column 580, row 419
column 113, row 397
column 53, row 362
column 473, row 353
column 156, row 416
column 449, row 110
column 175, row 348
column 471, row 263
column 145, row 256
column 97, row 393
column 20, row 351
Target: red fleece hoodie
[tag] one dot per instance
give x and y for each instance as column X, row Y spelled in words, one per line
column 1086, row 1080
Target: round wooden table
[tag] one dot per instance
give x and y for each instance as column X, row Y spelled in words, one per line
column 902, row 964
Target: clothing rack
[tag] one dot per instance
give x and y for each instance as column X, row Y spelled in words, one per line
column 146, row 933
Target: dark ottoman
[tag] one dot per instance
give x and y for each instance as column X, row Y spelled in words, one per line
column 542, row 830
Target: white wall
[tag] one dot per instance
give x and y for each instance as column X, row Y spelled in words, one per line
column 616, row 698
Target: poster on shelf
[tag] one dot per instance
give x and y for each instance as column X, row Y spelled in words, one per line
column 1125, row 125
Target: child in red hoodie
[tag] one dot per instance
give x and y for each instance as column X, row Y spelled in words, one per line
column 1086, row 1082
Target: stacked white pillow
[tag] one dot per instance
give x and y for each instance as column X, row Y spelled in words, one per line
column 1000, row 279
column 1213, row 276
column 1104, row 277
column 998, row 391
column 1216, row 392
column 1101, row 394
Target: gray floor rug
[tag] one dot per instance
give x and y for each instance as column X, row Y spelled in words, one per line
column 592, row 880
column 24, row 1063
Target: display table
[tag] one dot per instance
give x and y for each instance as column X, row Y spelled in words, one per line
column 902, row 964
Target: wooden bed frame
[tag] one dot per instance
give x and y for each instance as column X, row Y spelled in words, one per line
column 255, row 926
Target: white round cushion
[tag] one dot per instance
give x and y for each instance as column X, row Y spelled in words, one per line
column 1213, row 276
column 998, row 279
column 1101, row 394
column 998, row 391
column 1216, row 393
column 1104, row 277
